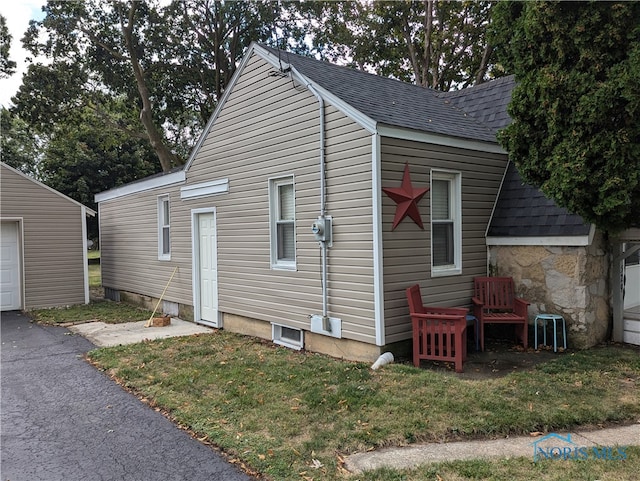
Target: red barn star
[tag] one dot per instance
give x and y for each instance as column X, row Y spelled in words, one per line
column 407, row 199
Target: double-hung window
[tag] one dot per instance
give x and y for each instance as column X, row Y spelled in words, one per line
column 283, row 223
column 164, row 230
column 446, row 223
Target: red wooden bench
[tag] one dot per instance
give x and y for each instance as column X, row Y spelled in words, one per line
column 439, row 333
column 494, row 302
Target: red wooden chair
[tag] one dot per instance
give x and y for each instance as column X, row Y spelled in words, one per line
column 494, row 302
column 439, row 333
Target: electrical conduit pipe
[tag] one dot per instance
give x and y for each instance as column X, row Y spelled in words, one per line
column 326, row 324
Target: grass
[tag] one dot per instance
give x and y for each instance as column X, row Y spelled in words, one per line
column 95, row 276
column 292, row 416
column 100, row 310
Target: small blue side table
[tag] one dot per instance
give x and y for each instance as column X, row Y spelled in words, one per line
column 543, row 318
column 471, row 318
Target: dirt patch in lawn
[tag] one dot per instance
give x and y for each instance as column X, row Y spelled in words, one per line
column 502, row 357
column 499, row 358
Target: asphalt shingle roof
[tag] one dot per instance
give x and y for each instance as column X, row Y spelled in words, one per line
column 388, row 101
column 473, row 113
column 523, row 211
column 486, row 102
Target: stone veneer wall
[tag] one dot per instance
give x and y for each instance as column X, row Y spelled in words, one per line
column 570, row 281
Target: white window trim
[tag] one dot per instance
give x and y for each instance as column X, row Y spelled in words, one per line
column 455, row 198
column 274, row 183
column 276, row 336
column 161, row 226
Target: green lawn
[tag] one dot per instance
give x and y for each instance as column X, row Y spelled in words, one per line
column 100, row 310
column 293, row 415
column 95, row 276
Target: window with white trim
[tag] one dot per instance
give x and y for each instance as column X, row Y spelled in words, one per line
column 164, row 229
column 283, row 223
column 446, row 223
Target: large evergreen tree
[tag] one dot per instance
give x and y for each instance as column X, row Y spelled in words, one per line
column 575, row 131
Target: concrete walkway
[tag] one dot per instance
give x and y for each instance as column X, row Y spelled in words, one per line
column 415, row 455
column 106, row 335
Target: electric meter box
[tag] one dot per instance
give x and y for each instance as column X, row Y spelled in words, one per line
column 322, row 229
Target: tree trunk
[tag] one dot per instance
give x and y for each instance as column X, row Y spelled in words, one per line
column 428, row 28
column 482, row 69
column 167, row 158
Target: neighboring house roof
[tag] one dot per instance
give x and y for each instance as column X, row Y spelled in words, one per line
column 88, row 211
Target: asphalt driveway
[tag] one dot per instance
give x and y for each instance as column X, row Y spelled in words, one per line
column 62, row 420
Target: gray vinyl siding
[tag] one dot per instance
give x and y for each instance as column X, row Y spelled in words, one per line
column 266, row 129
column 53, row 267
column 129, row 246
column 269, row 129
column 407, row 254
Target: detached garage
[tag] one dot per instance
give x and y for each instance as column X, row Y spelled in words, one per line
column 43, row 245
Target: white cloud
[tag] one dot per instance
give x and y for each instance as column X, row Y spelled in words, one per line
column 18, row 13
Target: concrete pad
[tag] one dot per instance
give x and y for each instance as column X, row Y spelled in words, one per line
column 522, row 446
column 106, row 335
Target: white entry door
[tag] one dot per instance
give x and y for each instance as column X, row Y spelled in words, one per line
column 207, row 269
column 10, row 279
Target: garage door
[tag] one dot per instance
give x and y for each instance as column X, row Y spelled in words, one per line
column 9, row 267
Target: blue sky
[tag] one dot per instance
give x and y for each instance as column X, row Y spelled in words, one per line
column 18, row 13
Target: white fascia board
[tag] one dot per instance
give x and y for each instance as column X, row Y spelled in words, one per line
column 364, row 121
column 495, row 200
column 219, row 186
column 552, row 241
column 142, row 186
column 88, row 211
column 378, row 258
column 436, row 139
column 568, row 241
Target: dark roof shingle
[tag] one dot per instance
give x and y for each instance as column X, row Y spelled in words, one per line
column 388, row 101
column 524, row 211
